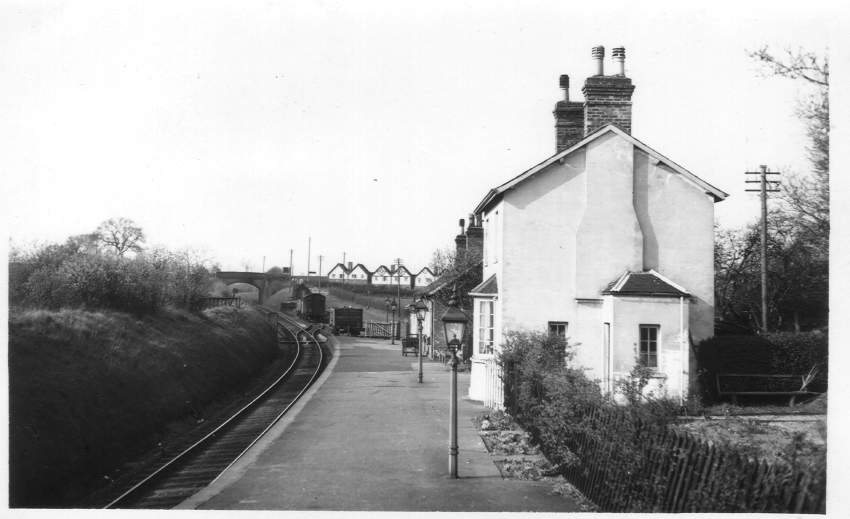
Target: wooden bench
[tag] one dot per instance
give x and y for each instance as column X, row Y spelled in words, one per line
column 743, row 384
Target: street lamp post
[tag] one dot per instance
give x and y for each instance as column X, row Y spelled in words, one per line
column 387, row 302
column 392, row 323
column 454, row 323
column 420, row 309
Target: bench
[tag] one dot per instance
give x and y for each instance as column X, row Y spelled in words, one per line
column 742, row 384
column 409, row 345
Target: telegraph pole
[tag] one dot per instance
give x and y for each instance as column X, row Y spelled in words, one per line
column 320, row 270
column 766, row 186
column 309, row 239
column 290, row 264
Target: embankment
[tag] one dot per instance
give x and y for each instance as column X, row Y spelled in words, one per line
column 91, row 390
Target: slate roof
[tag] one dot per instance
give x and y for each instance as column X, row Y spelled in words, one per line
column 489, row 287
column 647, row 283
column 447, row 278
column 495, row 194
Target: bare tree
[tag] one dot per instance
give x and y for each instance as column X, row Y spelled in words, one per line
column 120, row 234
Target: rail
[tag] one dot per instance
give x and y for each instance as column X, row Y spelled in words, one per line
column 237, row 434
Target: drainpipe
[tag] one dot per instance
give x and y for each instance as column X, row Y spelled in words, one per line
column 682, row 351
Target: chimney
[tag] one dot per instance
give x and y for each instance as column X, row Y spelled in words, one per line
column 475, row 238
column 460, row 240
column 569, row 118
column 608, row 99
column 349, row 265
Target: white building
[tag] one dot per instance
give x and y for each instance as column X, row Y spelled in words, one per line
column 424, row 277
column 608, row 242
column 382, row 276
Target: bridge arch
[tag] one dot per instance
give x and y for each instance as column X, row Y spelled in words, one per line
column 264, row 282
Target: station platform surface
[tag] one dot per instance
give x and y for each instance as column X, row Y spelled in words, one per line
column 370, row 437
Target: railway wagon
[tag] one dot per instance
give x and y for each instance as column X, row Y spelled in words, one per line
column 347, row 320
column 311, row 308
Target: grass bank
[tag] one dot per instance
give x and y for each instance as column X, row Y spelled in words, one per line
column 91, row 390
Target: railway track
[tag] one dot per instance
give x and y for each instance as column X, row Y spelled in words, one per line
column 204, row 461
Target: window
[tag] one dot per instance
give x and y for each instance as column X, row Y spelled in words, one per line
column 485, row 327
column 558, row 328
column 648, row 353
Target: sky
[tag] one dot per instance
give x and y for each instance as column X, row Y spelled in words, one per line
column 242, row 129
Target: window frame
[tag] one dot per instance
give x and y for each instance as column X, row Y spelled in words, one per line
column 486, row 347
column 565, row 324
column 649, row 342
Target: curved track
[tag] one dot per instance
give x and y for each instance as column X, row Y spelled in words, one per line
column 203, row 462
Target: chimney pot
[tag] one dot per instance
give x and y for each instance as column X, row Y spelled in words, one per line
column 598, row 54
column 619, row 55
column 564, row 83
column 461, row 222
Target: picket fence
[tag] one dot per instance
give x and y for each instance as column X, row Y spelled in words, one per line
column 671, row 471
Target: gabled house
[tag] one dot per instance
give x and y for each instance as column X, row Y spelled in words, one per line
column 338, row 272
column 382, row 276
column 424, row 277
column 358, row 274
column 608, row 243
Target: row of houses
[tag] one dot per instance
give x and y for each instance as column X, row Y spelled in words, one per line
column 382, row 275
column 608, row 242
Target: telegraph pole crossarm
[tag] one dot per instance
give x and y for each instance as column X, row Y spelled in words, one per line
column 766, row 186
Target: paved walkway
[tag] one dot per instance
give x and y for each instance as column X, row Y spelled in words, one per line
column 371, row 438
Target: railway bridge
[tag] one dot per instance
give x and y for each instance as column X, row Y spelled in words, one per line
column 267, row 284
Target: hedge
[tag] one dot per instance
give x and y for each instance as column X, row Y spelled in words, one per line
column 783, row 353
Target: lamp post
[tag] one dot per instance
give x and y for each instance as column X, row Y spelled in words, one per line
column 454, row 323
column 420, row 309
column 392, row 323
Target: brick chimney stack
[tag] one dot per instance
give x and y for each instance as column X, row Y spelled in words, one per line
column 569, row 118
column 608, row 99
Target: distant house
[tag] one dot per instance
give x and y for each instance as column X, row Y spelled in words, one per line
column 382, row 276
column 338, row 272
column 358, row 274
column 424, row 277
column 608, row 243
column 402, row 277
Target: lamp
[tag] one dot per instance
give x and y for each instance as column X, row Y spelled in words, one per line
column 454, row 324
column 392, row 323
column 419, row 309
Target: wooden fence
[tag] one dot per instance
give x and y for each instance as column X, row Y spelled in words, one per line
column 209, row 302
column 625, row 467
column 382, row 330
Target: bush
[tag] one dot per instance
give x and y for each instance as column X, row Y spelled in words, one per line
column 56, row 277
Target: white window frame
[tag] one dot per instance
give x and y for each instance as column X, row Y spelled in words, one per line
column 488, row 349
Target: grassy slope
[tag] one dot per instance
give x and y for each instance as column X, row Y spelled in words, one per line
column 86, row 388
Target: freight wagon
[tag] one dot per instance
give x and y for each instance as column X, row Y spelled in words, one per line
column 347, row 320
column 311, row 308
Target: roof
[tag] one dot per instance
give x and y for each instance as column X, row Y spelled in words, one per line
column 361, row 266
column 495, row 194
column 647, row 283
column 425, row 269
column 338, row 265
column 382, row 267
column 449, row 277
column 490, row 287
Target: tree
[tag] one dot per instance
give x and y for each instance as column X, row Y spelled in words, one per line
column 798, row 226
column 120, row 234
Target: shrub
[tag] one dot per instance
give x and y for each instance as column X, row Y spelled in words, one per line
column 60, row 276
